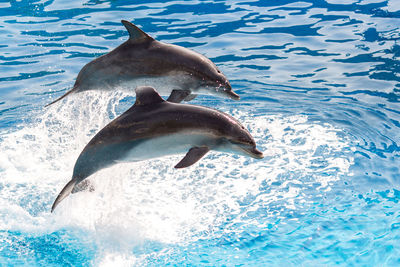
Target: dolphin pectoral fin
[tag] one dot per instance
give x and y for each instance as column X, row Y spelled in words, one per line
column 190, row 97
column 85, row 185
column 194, row 155
column 178, row 95
column 64, row 193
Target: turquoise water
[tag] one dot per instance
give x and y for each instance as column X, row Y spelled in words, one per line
column 320, row 88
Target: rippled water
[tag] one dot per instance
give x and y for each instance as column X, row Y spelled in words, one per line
column 319, row 82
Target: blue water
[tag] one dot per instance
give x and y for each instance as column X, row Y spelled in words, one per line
column 320, row 88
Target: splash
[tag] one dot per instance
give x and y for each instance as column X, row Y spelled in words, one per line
column 151, row 201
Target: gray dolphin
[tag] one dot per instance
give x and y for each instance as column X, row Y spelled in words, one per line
column 144, row 61
column 153, row 128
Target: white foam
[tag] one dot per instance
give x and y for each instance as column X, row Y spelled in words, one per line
column 151, row 200
column 393, row 6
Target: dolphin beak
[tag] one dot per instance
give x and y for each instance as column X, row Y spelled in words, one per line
column 253, row 152
column 232, row 95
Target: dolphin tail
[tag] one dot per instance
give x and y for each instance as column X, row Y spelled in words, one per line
column 85, row 185
column 64, row 193
column 64, row 95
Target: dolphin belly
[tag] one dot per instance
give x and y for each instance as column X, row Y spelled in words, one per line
column 164, row 84
column 165, row 145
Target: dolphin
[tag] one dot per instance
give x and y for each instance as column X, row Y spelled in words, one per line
column 143, row 61
column 153, row 128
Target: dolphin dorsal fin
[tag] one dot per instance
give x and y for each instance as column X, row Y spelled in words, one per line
column 147, row 95
column 135, row 34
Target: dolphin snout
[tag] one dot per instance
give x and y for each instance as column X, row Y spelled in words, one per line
column 231, row 94
column 253, row 152
column 257, row 154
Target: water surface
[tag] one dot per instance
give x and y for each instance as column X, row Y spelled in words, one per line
column 319, row 82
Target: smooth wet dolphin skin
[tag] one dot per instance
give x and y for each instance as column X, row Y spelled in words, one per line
column 153, row 128
column 143, row 61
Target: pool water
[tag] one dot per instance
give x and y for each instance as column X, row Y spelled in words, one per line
column 319, row 82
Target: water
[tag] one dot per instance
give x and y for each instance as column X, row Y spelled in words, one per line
column 319, row 82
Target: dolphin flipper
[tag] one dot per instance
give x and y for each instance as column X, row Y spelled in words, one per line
column 190, row 97
column 194, row 155
column 178, row 95
column 64, row 193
